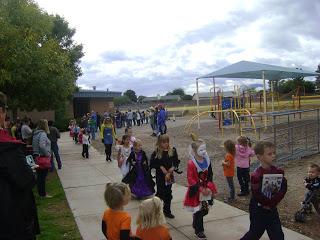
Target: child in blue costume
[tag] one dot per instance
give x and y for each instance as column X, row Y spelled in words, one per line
column 108, row 136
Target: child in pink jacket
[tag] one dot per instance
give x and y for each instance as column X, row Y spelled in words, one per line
column 242, row 159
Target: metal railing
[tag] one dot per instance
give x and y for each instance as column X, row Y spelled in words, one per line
column 295, row 133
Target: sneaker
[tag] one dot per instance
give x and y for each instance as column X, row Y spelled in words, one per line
column 201, row 236
column 241, row 194
column 168, row 215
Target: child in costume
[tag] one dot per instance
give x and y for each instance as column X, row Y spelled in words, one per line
column 165, row 160
column 108, row 136
column 132, row 139
column 116, row 223
column 201, row 189
column 151, row 221
column 85, row 139
column 242, row 158
column 124, row 151
column 228, row 167
column 139, row 176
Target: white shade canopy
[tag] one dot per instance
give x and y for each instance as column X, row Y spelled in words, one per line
column 246, row 69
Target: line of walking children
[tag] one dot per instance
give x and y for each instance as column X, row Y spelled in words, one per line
column 200, row 192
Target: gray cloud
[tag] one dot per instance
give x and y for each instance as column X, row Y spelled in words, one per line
column 282, row 25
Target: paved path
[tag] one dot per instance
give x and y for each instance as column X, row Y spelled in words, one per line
column 84, row 181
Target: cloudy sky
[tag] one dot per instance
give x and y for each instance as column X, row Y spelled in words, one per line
column 154, row 46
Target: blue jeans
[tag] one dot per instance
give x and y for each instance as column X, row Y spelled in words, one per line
column 93, row 132
column 55, row 151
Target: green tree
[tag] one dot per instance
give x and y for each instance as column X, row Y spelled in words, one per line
column 39, row 62
column 287, row 86
column 186, row 97
column 177, row 91
column 118, row 101
column 131, row 95
column 140, row 98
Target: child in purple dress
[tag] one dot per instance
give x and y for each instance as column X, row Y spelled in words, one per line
column 139, row 178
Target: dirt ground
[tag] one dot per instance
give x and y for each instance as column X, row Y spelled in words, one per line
column 295, row 170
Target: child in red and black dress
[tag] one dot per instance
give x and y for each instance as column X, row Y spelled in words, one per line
column 165, row 160
column 201, row 189
column 263, row 209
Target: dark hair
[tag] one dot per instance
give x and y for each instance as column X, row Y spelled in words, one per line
column 242, row 140
column 261, row 146
column 3, row 101
column 230, row 147
column 126, row 130
column 124, row 137
column 50, row 123
column 315, row 166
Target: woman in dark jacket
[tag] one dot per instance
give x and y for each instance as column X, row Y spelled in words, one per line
column 18, row 213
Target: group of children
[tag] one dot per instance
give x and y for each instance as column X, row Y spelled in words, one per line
column 138, row 182
column 80, row 136
column 137, row 174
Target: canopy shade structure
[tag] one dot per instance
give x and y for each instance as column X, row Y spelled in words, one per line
column 253, row 70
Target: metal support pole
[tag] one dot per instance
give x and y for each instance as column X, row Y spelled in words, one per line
column 264, row 101
column 214, row 93
column 272, row 96
column 198, row 110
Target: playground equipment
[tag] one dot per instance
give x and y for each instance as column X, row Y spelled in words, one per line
column 241, row 119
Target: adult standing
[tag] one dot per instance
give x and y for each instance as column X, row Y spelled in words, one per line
column 53, row 136
column 129, row 118
column 134, row 118
column 108, row 136
column 18, row 212
column 41, row 147
column 98, row 121
column 161, row 120
column 152, row 121
column 138, row 114
column 92, row 126
column 26, row 131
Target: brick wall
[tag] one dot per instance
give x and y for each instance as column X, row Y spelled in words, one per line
column 101, row 105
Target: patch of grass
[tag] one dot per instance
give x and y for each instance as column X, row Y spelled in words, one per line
column 55, row 216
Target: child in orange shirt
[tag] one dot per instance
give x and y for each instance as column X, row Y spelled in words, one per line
column 228, row 167
column 116, row 223
column 151, row 221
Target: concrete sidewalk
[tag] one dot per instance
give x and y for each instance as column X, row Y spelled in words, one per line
column 84, row 181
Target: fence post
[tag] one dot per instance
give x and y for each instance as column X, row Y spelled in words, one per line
column 318, row 118
column 274, row 131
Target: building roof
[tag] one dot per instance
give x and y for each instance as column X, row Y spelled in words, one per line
column 96, row 94
column 162, row 98
column 254, row 70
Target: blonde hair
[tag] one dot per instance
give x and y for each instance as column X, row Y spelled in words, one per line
column 159, row 150
column 136, row 142
column 150, row 213
column 43, row 125
column 114, row 194
column 196, row 143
